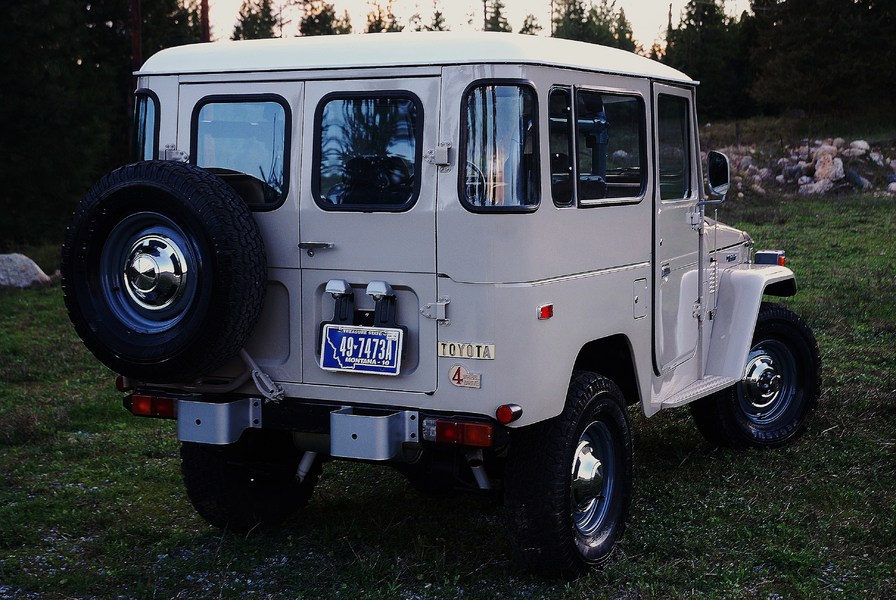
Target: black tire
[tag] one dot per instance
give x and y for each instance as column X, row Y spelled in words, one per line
column 163, row 271
column 771, row 406
column 249, row 483
column 562, row 524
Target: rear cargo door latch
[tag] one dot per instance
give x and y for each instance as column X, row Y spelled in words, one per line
column 437, row 311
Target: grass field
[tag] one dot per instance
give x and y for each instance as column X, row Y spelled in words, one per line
column 91, row 503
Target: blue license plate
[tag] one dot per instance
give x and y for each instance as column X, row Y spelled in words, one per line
column 356, row 349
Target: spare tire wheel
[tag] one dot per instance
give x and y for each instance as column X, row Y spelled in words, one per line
column 163, row 271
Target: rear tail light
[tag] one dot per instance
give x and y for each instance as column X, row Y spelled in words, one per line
column 146, row 405
column 462, row 433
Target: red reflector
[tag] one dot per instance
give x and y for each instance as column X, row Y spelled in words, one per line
column 153, row 406
column 782, row 261
column 508, row 413
column 122, row 384
column 545, row 312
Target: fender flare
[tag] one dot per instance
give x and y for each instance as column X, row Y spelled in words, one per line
column 740, row 293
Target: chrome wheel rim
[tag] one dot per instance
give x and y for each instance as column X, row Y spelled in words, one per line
column 593, row 478
column 149, row 272
column 769, row 385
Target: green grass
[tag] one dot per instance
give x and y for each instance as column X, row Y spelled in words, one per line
column 91, row 503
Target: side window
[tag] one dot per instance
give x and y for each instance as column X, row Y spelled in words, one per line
column 245, row 141
column 561, row 136
column 145, row 137
column 674, row 147
column 610, row 146
column 368, row 152
column 500, row 148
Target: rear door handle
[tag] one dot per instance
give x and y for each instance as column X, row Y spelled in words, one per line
column 312, row 246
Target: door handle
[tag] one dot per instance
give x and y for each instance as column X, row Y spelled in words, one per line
column 310, row 247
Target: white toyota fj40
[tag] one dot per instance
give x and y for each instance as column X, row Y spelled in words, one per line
column 464, row 255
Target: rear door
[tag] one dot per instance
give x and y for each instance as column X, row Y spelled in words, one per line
column 367, row 232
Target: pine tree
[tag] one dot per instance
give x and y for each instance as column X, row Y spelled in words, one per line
column 530, row 26
column 256, row 20
column 494, row 17
column 319, row 18
column 380, row 20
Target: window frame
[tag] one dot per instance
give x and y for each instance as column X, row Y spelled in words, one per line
column 461, row 152
column 570, row 146
column 644, row 145
column 688, row 149
column 418, row 150
column 246, row 99
column 154, row 100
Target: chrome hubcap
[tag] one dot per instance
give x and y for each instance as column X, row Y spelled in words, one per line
column 761, row 381
column 155, row 272
column 587, row 477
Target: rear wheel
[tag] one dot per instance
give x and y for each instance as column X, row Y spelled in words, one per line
column 569, row 481
column 781, row 384
column 249, row 483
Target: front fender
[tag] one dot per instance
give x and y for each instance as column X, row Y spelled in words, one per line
column 740, row 293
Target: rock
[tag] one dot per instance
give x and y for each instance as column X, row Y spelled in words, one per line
column 860, row 145
column 893, row 165
column 780, row 179
column 758, row 189
column 745, row 163
column 839, row 142
column 766, row 174
column 818, row 187
column 830, row 168
column 853, row 152
column 825, row 150
column 804, row 180
column 19, row 271
column 877, row 158
column 793, row 173
column 857, row 180
column 892, row 188
column 891, row 178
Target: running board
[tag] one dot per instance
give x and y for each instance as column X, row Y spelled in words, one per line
column 703, row 387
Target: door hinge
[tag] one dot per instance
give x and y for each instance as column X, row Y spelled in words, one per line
column 696, row 220
column 437, row 311
column 698, row 311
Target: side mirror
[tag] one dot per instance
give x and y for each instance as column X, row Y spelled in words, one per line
column 719, row 172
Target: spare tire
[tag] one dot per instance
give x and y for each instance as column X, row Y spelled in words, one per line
column 163, row 271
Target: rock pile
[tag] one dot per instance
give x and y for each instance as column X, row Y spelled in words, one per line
column 819, row 167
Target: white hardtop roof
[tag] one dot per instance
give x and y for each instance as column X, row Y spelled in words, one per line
column 399, row 50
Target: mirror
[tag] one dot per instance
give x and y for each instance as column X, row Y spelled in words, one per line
column 719, row 173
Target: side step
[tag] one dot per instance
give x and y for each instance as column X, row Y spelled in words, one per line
column 703, row 387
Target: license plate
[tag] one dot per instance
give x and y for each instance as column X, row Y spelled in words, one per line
column 371, row 350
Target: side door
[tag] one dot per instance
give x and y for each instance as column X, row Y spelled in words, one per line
column 676, row 239
column 367, row 225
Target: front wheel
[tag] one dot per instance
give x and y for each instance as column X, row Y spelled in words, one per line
column 569, row 481
column 780, row 387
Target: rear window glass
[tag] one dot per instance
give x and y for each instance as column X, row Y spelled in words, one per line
column 244, row 140
column 368, row 152
column 500, row 148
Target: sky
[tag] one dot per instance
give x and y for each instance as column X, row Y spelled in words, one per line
column 648, row 17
